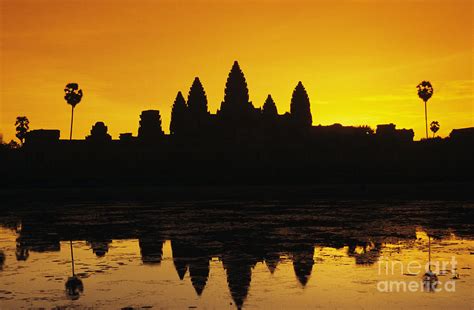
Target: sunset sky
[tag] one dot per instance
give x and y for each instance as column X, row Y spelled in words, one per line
column 359, row 60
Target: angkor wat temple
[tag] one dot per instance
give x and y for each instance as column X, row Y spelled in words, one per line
column 240, row 144
column 237, row 121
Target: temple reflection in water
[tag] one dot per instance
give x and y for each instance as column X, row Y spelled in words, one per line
column 238, row 238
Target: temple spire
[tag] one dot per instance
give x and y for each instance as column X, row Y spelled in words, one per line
column 269, row 108
column 197, row 108
column 236, row 97
column 197, row 100
column 300, row 107
column 178, row 115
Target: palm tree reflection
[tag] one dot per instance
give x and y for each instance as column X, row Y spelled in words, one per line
column 21, row 253
column 74, row 286
column 2, row 259
column 430, row 279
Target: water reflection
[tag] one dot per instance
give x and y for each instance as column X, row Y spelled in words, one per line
column 365, row 253
column 74, row 285
column 303, row 262
column 240, row 237
column 2, row 259
column 99, row 247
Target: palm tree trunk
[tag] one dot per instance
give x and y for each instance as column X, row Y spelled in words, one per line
column 426, row 121
column 72, row 119
column 72, row 258
column 429, row 253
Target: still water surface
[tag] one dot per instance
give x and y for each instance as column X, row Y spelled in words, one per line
column 223, row 255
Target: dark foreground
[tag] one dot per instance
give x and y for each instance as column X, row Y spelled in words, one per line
column 228, row 253
column 27, row 196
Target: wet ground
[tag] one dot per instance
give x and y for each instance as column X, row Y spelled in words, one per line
column 249, row 254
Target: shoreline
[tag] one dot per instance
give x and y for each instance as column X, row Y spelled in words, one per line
column 453, row 191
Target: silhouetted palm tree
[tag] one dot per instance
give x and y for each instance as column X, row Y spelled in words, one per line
column 22, row 126
column 73, row 96
column 434, row 127
column 425, row 91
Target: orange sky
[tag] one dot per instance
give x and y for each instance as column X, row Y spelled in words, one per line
column 359, row 60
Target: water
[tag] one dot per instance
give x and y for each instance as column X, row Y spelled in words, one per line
column 225, row 255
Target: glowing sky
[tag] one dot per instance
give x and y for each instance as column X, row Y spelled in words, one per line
column 360, row 61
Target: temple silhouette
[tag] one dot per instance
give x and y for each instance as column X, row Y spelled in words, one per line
column 238, row 145
column 237, row 121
